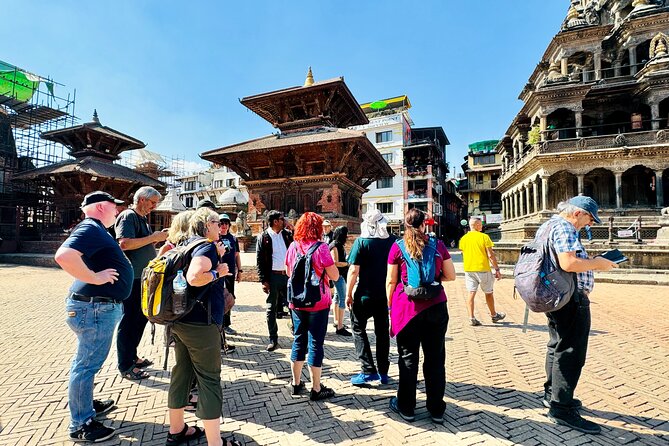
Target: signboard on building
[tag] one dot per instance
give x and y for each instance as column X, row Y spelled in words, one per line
column 493, row 218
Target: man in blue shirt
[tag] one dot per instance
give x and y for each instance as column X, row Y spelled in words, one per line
column 103, row 279
column 569, row 327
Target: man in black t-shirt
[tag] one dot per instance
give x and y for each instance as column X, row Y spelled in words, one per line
column 103, row 279
column 137, row 241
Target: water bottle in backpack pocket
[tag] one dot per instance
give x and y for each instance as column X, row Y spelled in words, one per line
column 179, row 286
column 305, row 287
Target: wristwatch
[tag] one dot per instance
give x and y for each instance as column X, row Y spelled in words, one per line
column 214, row 273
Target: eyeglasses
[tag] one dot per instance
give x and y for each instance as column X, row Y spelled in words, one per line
column 216, row 222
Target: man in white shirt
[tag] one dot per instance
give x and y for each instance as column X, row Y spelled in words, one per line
column 271, row 251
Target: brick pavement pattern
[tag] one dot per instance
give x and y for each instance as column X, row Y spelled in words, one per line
column 495, row 375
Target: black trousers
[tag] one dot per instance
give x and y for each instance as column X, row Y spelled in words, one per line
column 130, row 329
column 365, row 307
column 278, row 287
column 568, row 330
column 426, row 329
column 230, row 285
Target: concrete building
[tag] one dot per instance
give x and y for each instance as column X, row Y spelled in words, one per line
column 482, row 169
column 389, row 129
column 212, row 184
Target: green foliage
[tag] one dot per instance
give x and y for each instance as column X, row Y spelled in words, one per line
column 534, row 135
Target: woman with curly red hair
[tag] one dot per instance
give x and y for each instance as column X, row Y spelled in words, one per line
column 310, row 324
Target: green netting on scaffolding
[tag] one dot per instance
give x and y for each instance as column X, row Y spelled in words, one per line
column 19, row 84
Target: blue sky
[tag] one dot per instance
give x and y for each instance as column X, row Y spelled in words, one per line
column 171, row 73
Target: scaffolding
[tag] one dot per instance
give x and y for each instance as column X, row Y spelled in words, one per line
column 160, row 167
column 29, row 106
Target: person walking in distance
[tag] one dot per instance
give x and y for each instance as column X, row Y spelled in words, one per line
column 103, row 280
column 477, row 255
column 569, row 327
column 271, row 249
column 137, row 242
column 338, row 252
column 366, row 296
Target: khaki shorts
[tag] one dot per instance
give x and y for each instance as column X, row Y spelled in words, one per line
column 484, row 279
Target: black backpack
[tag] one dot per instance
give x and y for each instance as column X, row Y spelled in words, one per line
column 538, row 278
column 305, row 288
column 157, row 294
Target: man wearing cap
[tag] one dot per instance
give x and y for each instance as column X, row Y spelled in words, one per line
column 137, row 241
column 328, row 233
column 271, row 249
column 206, row 203
column 234, row 262
column 369, row 265
column 103, row 279
column 569, row 327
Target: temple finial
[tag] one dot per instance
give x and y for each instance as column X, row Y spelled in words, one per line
column 309, row 81
column 95, row 116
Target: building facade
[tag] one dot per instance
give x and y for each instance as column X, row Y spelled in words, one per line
column 482, row 169
column 594, row 119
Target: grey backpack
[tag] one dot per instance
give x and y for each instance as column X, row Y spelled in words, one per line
column 538, row 278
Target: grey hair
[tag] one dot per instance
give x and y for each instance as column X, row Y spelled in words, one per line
column 199, row 220
column 566, row 208
column 474, row 220
column 145, row 192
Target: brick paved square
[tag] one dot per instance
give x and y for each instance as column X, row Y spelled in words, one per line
column 495, row 374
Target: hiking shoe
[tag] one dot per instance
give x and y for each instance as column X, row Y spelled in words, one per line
column 573, row 419
column 229, row 330
column 322, row 394
column 102, row 407
column 385, row 379
column 498, row 316
column 343, row 332
column 93, row 432
column 474, row 322
column 228, row 348
column 362, row 379
column 437, row 419
column 575, row 403
column 297, row 389
column 273, row 345
column 395, row 408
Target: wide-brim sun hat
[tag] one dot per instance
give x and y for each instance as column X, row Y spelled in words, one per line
column 374, row 225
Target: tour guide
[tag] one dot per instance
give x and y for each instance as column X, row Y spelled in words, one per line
column 103, row 279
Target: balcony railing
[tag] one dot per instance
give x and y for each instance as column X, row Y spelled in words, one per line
column 640, row 138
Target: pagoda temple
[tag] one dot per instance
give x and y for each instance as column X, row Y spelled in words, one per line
column 315, row 163
column 94, row 148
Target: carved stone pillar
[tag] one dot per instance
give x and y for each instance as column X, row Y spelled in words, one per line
column 564, row 67
column 516, row 214
column 535, row 195
column 544, row 193
column 632, row 53
column 543, row 124
column 617, row 72
column 655, row 116
column 619, row 189
column 659, row 191
column 598, row 66
column 503, row 207
column 527, row 201
column 578, row 115
column 579, row 180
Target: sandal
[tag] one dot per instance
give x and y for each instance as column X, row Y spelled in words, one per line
column 192, row 405
column 183, row 437
column 135, row 376
column 144, row 364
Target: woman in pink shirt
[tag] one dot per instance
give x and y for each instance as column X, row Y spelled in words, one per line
column 418, row 323
column 310, row 324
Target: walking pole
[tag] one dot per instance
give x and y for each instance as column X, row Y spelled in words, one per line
column 527, row 314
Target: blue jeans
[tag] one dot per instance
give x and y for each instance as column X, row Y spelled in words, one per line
column 340, row 291
column 94, row 324
column 309, row 328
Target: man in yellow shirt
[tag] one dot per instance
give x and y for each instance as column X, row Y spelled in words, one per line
column 477, row 255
